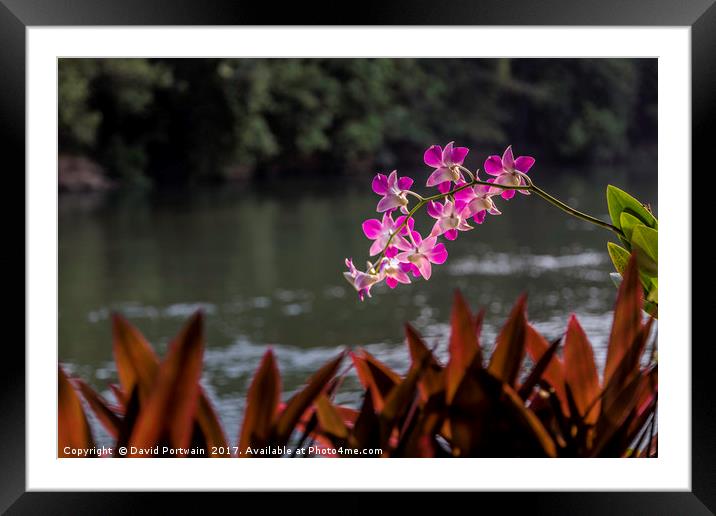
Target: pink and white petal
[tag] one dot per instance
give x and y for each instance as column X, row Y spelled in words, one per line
column 508, row 159
column 464, row 226
column 524, row 163
column 404, row 210
column 423, row 265
column 450, row 234
column 433, row 156
column 465, row 196
column 524, row 192
column 444, row 187
column 376, row 247
column 417, row 238
column 438, row 254
column 393, row 179
column 392, row 282
column 372, row 228
column 493, row 165
column 458, row 155
column 404, row 257
column 508, row 194
column 405, row 182
column 447, row 153
column 427, row 245
column 401, row 243
column 440, row 175
column 401, row 276
column 479, row 217
column 437, row 229
column 389, row 202
column 391, row 251
column 494, row 210
column 380, row 184
column 435, row 209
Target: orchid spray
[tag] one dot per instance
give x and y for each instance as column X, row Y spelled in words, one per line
column 463, row 199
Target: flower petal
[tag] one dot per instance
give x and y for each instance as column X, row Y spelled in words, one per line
column 392, row 282
column 493, row 165
column 435, row 209
column 440, row 175
column 508, row 159
column 433, row 156
column 524, row 163
column 458, row 155
column 380, row 184
column 393, row 179
column 447, row 153
column 444, row 187
column 450, row 234
column 424, row 267
column 479, row 217
column 376, row 247
column 389, row 202
column 508, row 194
column 372, row 228
column 405, row 182
column 438, row 254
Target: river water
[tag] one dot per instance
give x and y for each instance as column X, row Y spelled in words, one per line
column 265, row 265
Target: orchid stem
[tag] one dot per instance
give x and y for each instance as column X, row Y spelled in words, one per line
column 530, row 186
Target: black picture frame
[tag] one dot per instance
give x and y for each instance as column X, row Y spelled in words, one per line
column 17, row 15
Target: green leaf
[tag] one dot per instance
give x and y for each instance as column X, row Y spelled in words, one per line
column 646, row 242
column 628, row 222
column 619, row 201
column 619, row 256
column 653, row 291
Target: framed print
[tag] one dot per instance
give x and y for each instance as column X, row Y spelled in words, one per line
column 427, row 239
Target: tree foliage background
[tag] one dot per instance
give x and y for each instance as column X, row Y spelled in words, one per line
column 178, row 121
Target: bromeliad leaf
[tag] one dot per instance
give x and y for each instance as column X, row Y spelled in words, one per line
column 73, row 430
column 170, row 409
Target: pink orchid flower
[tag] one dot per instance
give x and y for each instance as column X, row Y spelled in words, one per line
column 380, row 231
column 422, row 253
column 393, row 190
column 506, row 169
column 394, row 270
column 445, row 162
column 478, row 201
column 449, row 218
column 361, row 281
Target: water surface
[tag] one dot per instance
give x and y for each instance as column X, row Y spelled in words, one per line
column 265, row 265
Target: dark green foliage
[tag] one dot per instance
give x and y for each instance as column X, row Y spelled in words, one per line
column 183, row 120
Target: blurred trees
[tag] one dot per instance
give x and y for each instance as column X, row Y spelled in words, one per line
column 169, row 121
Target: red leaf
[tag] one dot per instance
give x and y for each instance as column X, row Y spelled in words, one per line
column 627, row 318
column 463, row 345
column 106, row 416
column 581, row 372
column 298, row 404
column 171, row 406
column 138, row 364
column 375, row 376
column 432, row 381
column 510, row 348
column 330, row 420
column 537, row 346
column 73, row 431
column 262, row 404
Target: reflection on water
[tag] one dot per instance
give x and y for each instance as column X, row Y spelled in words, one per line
column 265, row 266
